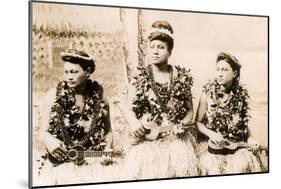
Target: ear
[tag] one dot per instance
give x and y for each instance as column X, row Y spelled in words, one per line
column 234, row 73
column 88, row 75
column 170, row 52
column 88, row 72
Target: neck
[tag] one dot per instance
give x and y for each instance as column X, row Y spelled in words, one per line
column 81, row 89
column 228, row 86
column 163, row 67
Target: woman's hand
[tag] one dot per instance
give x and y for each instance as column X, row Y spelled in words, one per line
column 217, row 138
column 140, row 132
column 254, row 145
column 56, row 148
column 107, row 157
column 178, row 130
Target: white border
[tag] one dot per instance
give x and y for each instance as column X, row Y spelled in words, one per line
column 14, row 87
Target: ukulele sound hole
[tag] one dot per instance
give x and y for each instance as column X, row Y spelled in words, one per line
column 72, row 154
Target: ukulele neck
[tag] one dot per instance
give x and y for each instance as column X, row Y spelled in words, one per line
column 96, row 153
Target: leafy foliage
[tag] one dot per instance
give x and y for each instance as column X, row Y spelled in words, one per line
column 232, row 119
column 146, row 102
column 70, row 117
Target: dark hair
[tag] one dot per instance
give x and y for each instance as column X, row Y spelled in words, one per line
column 232, row 61
column 79, row 57
column 158, row 35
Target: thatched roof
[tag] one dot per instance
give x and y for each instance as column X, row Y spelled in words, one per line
column 74, row 17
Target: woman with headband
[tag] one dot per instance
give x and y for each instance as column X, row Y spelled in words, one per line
column 161, row 113
column 74, row 114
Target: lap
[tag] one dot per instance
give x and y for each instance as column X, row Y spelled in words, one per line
column 45, row 173
column 167, row 157
column 242, row 161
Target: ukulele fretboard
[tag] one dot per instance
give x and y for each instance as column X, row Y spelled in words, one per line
column 95, row 153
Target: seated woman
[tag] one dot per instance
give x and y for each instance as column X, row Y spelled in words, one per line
column 161, row 100
column 74, row 113
column 222, row 117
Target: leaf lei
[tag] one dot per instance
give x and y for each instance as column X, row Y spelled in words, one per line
column 75, row 120
column 221, row 118
column 175, row 98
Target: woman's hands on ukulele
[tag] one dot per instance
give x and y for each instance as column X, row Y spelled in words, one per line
column 216, row 138
column 56, row 148
column 181, row 128
column 254, row 146
column 142, row 131
column 107, row 157
column 178, row 130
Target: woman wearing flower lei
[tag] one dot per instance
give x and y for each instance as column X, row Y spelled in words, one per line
column 222, row 117
column 75, row 113
column 161, row 97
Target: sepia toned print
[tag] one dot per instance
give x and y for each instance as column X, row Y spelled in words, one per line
column 125, row 94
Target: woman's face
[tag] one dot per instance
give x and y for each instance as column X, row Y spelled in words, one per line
column 74, row 75
column 158, row 52
column 225, row 74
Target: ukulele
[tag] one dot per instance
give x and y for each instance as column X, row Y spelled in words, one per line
column 228, row 147
column 77, row 155
column 154, row 130
column 76, row 152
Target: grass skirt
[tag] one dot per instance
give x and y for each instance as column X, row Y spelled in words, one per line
column 242, row 161
column 69, row 173
column 165, row 158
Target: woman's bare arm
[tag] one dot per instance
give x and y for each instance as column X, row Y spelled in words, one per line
column 201, row 111
column 52, row 144
column 189, row 116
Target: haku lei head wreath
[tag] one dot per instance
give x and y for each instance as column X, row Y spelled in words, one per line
column 79, row 57
column 163, row 31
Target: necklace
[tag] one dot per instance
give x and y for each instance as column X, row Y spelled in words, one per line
column 162, row 97
column 170, row 102
column 222, row 116
column 73, row 119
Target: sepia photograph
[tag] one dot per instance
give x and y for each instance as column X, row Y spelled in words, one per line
column 124, row 94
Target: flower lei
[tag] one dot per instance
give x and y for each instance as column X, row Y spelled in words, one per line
column 174, row 98
column 75, row 121
column 237, row 110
